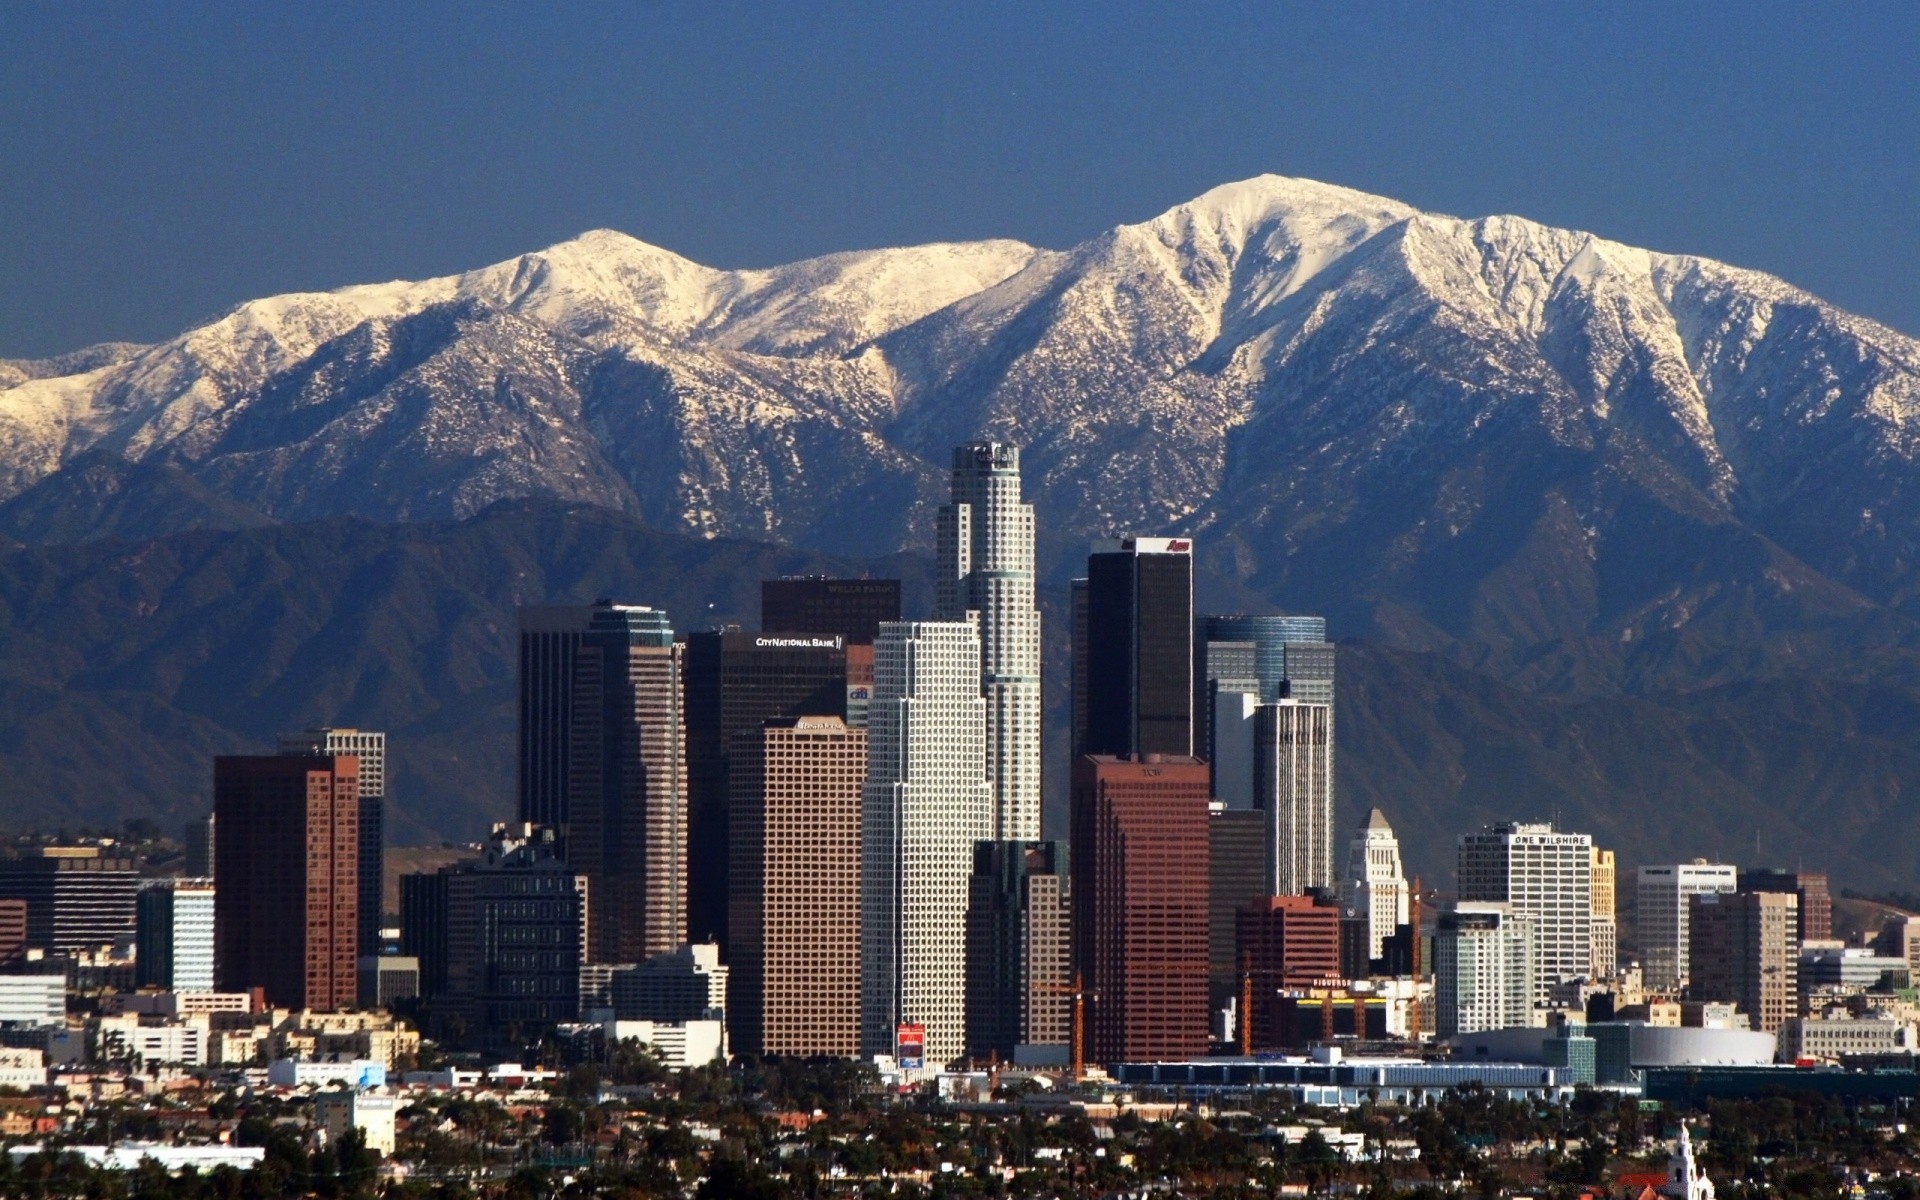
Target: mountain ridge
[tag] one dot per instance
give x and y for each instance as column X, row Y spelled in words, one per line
column 1584, row 472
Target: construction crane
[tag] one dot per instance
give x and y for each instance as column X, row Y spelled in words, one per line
column 1246, row 1005
column 1079, row 994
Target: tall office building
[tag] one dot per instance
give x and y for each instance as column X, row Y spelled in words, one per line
column 198, row 838
column 1077, row 698
column 925, row 803
column 1275, row 657
column 286, row 857
column 370, row 747
column 1742, row 949
column 423, row 927
column 1375, row 886
column 1139, row 648
column 1810, row 887
column 1307, row 675
column 1226, row 694
column 77, row 898
column 983, row 544
column 1284, row 942
column 515, row 938
column 1293, row 784
column 1238, row 844
column 1606, row 928
column 1544, row 876
column 853, row 609
column 1018, row 948
column 627, row 782
column 1483, row 969
column 173, row 940
column 549, row 637
column 1140, row 902
column 735, row 683
column 794, row 887
column 1662, row 895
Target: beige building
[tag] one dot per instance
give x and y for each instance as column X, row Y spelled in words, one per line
column 1606, row 926
column 1743, row 948
column 1835, row 1035
column 793, row 914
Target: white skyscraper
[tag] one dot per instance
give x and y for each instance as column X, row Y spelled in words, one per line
column 173, row 935
column 1662, row 909
column 984, row 547
column 1544, row 876
column 1483, row 957
column 1293, row 782
column 925, row 803
column 1375, row 886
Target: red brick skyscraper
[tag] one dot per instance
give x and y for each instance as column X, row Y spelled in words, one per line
column 286, row 852
column 1140, row 897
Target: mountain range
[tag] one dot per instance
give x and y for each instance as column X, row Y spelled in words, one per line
column 1621, row 535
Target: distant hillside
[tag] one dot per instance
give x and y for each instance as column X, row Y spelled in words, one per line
column 125, row 666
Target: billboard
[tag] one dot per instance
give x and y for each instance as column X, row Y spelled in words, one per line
column 910, row 1046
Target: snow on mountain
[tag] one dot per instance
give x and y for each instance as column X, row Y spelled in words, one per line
column 1453, row 432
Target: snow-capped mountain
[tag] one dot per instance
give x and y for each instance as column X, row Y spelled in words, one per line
column 1541, row 450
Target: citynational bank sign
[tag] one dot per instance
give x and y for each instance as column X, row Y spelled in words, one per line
column 795, row 641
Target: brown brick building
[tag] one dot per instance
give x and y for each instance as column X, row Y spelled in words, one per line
column 1810, row 887
column 1285, row 942
column 286, row 853
column 1743, row 948
column 794, row 887
column 1140, row 902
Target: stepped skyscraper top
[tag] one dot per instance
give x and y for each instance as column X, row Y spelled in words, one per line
column 984, row 544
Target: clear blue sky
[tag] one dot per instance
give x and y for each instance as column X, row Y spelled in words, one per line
column 159, row 163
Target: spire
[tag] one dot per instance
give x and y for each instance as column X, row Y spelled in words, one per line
column 1376, row 820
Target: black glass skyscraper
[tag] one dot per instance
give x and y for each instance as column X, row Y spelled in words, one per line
column 736, row 683
column 1139, row 648
column 549, row 638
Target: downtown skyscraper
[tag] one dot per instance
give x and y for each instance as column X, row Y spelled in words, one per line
column 925, row 804
column 984, row 548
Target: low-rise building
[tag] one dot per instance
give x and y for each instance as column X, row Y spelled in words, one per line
column 145, row 1041
column 369, row 1112
column 1835, row 1036
column 23, row 1068
column 687, row 984
column 358, row 1073
column 33, row 999
column 679, row 1044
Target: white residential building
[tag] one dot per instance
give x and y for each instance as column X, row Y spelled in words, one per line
column 1545, row 876
column 173, row 934
column 1376, row 885
column 1483, row 957
column 369, row 1112
column 925, row 803
column 1293, row 782
column 984, row 546
column 1662, row 893
column 33, row 999
column 679, row 1044
column 145, row 1041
